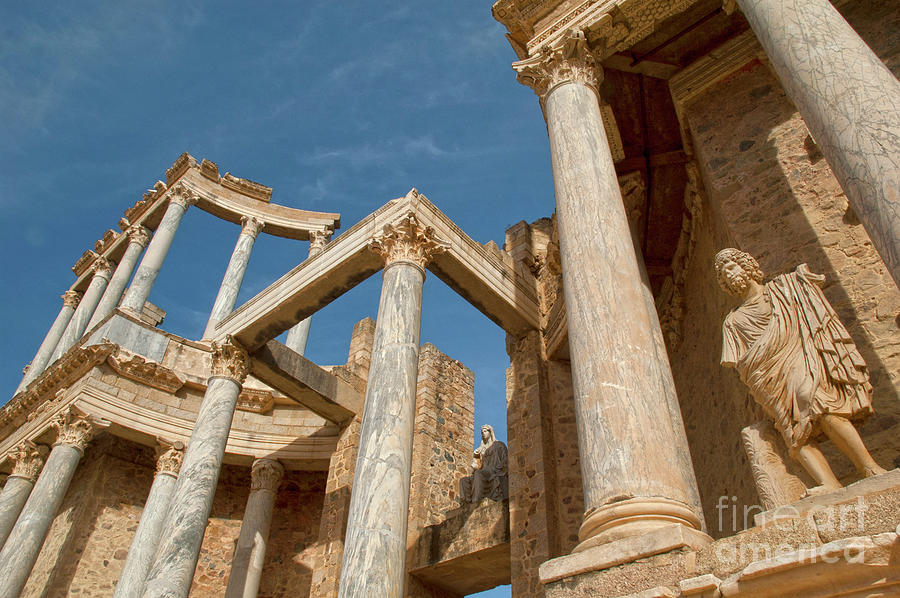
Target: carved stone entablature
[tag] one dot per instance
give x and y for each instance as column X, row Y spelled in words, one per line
column 251, row 226
column 408, row 241
column 210, row 170
column 256, row 400
column 318, row 239
column 266, row 475
column 106, row 241
column 133, row 213
column 71, row 298
column 169, row 458
column 230, row 360
column 103, row 267
column 155, row 192
column 28, row 459
column 247, row 187
column 571, row 61
column 179, row 167
column 73, row 429
column 183, row 196
column 135, row 367
column 139, row 234
column 84, row 262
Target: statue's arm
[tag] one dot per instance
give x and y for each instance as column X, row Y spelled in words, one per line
column 729, row 344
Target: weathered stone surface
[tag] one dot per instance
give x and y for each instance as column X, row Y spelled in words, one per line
column 234, row 275
column 138, row 238
column 51, row 340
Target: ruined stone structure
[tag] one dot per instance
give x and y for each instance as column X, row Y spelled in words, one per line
column 143, row 464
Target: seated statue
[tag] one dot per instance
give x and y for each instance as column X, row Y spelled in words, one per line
column 789, row 347
column 489, row 477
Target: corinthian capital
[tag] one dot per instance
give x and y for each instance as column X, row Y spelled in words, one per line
column 28, row 459
column 251, row 226
column 71, row 299
column 169, row 458
column 73, row 429
column 230, row 360
column 266, row 475
column 183, row 196
column 318, row 239
column 408, row 241
column 138, row 234
column 102, row 267
column 571, row 61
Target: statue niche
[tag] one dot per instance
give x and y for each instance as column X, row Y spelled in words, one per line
column 489, row 477
column 789, row 347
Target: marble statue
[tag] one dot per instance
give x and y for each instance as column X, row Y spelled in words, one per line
column 789, row 347
column 489, row 477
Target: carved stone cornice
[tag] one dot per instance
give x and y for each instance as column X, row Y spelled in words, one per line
column 230, row 360
column 103, row 267
column 255, row 400
column 28, row 459
column 408, row 241
column 251, row 226
column 318, row 239
column 73, row 429
column 104, row 243
column 570, row 62
column 139, row 234
column 135, row 367
column 266, row 475
column 84, row 262
column 71, row 298
column 183, row 196
column 169, row 458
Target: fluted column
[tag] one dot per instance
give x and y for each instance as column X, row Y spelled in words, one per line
column 849, row 100
column 234, row 274
column 634, row 456
column 299, row 335
column 102, row 269
column 146, row 538
column 146, row 274
column 28, row 459
column 176, row 557
column 374, row 561
column 250, row 553
column 24, row 543
column 138, row 238
column 51, row 340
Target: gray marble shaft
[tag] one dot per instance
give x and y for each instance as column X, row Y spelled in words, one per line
column 154, row 257
column 298, row 335
column 84, row 311
column 146, row 538
column 849, row 100
column 629, row 442
column 24, row 543
column 231, row 282
column 12, row 499
column 51, row 340
column 374, row 561
column 173, row 566
column 113, row 293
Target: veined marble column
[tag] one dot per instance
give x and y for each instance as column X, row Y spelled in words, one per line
column 28, row 459
column 45, row 351
column 138, row 238
column 374, row 561
column 250, row 553
column 146, row 538
column 24, row 543
column 635, row 461
column 140, row 288
column 176, row 557
column 234, row 274
column 299, row 334
column 102, row 268
column 849, row 100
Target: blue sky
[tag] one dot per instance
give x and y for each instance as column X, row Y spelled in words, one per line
column 338, row 106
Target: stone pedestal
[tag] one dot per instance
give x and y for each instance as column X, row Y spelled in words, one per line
column 849, row 100
column 234, row 274
column 299, row 335
column 374, row 562
column 28, row 460
column 138, row 238
column 176, row 557
column 78, row 324
column 250, row 553
column 45, row 351
column 156, row 252
column 24, row 543
column 146, row 538
column 634, row 456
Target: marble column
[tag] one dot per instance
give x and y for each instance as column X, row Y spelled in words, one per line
column 299, row 334
column 234, row 274
column 28, row 459
column 176, row 556
column 374, row 561
column 849, row 100
column 146, row 538
column 634, row 457
column 138, row 238
column 146, row 274
column 45, row 351
column 250, row 553
column 102, row 268
column 26, row 538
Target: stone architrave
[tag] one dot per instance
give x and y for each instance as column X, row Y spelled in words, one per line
column 28, row 459
column 176, row 556
column 250, row 553
column 146, row 538
column 635, row 461
column 181, row 199
column 78, row 324
column 21, row 550
column 138, row 238
column 234, row 274
column 374, row 560
column 849, row 100
column 45, row 351
column 299, row 335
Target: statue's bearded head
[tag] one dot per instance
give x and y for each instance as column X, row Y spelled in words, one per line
column 735, row 270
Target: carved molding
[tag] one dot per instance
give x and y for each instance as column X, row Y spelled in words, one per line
column 84, row 262
column 73, row 429
column 251, row 226
column 28, row 459
column 103, row 267
column 408, row 241
column 139, row 234
column 71, row 298
column 246, row 187
column 169, row 458
column 102, row 244
column 256, row 400
column 266, row 475
column 183, row 196
column 571, row 61
column 179, row 167
column 318, row 239
column 135, row 367
column 230, row 360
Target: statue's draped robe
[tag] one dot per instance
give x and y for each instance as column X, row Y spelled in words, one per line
column 798, row 359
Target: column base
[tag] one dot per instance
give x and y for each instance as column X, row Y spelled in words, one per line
column 633, row 517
